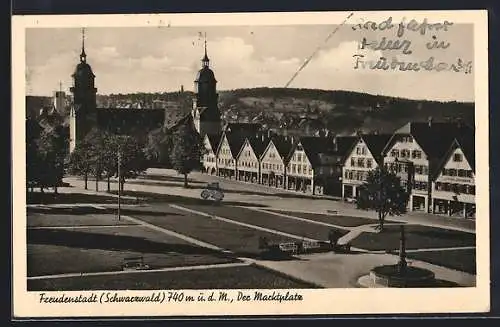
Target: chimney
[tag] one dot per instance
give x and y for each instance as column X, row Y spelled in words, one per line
column 182, row 89
column 263, row 137
column 429, row 121
column 269, row 133
column 291, row 139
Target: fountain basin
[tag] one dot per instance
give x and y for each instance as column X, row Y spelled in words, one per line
column 390, row 276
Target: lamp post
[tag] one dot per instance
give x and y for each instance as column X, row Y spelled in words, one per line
column 119, row 182
column 402, row 264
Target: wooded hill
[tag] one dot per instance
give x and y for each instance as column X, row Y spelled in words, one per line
column 339, row 111
column 343, row 111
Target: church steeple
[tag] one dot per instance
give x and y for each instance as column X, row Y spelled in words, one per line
column 205, row 61
column 83, row 55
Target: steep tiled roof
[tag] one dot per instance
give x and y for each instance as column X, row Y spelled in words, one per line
column 466, row 143
column 214, row 140
column 376, row 143
column 283, row 145
column 342, row 145
column 258, row 144
column 314, row 145
column 235, row 141
column 434, row 138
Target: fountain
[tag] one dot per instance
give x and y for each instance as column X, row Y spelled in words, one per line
column 400, row 274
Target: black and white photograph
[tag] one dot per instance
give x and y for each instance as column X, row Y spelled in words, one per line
column 251, row 163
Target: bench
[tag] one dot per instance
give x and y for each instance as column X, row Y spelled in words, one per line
column 310, row 245
column 288, row 247
column 134, row 263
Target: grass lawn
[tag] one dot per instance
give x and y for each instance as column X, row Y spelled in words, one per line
column 417, row 237
column 56, row 251
column 248, row 277
column 53, row 218
column 345, row 221
column 70, row 198
column 240, row 239
column 268, row 220
column 462, row 260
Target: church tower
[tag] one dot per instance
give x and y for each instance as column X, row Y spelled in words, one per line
column 83, row 115
column 206, row 114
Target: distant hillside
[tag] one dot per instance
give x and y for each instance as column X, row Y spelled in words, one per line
column 342, row 111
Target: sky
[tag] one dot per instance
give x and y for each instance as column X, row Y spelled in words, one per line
column 161, row 59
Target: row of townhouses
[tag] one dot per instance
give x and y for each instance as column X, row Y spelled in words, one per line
column 435, row 161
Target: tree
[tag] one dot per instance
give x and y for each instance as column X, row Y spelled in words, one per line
column 52, row 149
column 80, row 160
column 383, row 193
column 186, row 151
column 109, row 158
column 159, row 146
column 133, row 159
column 33, row 131
column 96, row 139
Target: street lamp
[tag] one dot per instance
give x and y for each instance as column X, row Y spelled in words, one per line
column 119, row 182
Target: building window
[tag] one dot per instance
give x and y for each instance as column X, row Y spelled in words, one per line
column 457, row 157
column 310, row 171
column 421, row 186
column 416, row 154
column 461, row 173
column 346, row 174
column 358, row 150
column 439, row 186
column 405, row 153
column 469, row 173
column 420, row 169
column 369, row 163
column 395, row 153
column 407, row 139
column 294, row 168
column 471, row 189
column 361, row 162
column 350, row 175
column 363, row 150
column 463, row 188
column 353, row 162
column 452, row 172
column 299, row 157
column 299, row 169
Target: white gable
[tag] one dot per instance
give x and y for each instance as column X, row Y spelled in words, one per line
column 207, row 144
column 246, row 151
column 271, row 153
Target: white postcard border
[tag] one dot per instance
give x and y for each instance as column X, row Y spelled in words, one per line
column 323, row 301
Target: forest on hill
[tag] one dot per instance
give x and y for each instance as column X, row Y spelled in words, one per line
column 338, row 111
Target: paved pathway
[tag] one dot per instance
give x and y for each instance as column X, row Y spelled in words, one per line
column 122, row 272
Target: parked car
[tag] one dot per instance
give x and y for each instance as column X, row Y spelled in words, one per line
column 212, row 191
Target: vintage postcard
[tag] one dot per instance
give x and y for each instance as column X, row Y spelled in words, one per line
column 250, row 164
